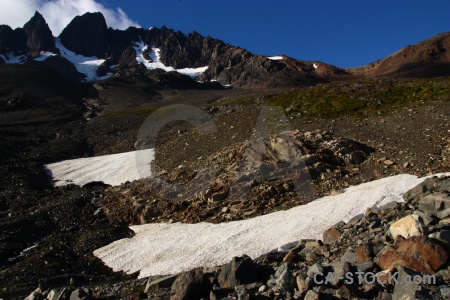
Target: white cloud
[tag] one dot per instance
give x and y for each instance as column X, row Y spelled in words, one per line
column 58, row 13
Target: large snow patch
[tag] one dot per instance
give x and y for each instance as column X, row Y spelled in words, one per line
column 84, row 64
column 160, row 249
column 113, row 169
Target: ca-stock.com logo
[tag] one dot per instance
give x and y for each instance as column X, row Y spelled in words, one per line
column 270, row 124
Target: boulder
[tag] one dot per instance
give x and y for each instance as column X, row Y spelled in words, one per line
column 190, row 285
column 416, row 253
column 241, row 270
column 407, row 227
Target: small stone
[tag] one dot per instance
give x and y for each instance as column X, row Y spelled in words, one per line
column 310, row 256
column 162, row 282
column 445, row 292
column 338, row 275
column 364, row 253
column 249, row 213
column 218, row 197
column 56, row 294
column 284, row 277
column 443, row 274
column 443, row 236
column 73, row 282
column 315, row 269
column 349, row 256
column 244, row 295
column 425, row 218
column 313, row 244
column 404, row 288
column 386, row 276
column 291, row 256
column 263, row 288
column 406, row 165
column 434, row 203
column 444, row 222
column 344, row 293
column 34, row 295
column 388, row 162
column 302, row 284
column 331, row 235
column 311, row 295
column 207, row 193
column 78, row 294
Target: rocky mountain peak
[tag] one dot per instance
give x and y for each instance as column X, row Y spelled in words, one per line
column 87, row 35
column 39, row 35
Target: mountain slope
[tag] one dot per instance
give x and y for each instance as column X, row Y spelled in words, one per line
column 429, row 58
column 107, row 52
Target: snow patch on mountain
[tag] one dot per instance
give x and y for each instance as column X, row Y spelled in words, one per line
column 315, row 66
column 44, row 55
column 275, row 57
column 160, row 249
column 84, row 64
column 155, row 62
column 10, row 58
column 113, row 169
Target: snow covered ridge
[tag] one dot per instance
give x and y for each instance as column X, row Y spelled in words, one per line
column 89, row 65
column 155, row 63
column 160, row 249
column 113, row 169
column 85, row 65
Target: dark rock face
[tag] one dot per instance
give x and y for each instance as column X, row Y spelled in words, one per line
column 39, row 35
column 86, row 35
column 12, row 40
column 6, row 36
column 62, row 66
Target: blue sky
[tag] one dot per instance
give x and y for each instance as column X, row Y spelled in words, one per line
column 343, row 33
column 346, row 33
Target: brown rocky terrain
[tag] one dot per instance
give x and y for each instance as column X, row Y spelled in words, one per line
column 425, row 59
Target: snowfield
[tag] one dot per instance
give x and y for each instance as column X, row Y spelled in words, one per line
column 10, row 58
column 113, row 169
column 155, row 63
column 160, row 249
column 85, row 65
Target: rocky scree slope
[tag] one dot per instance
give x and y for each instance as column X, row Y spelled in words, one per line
column 376, row 256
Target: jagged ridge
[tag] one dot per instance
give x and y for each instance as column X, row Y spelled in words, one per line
column 88, row 35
